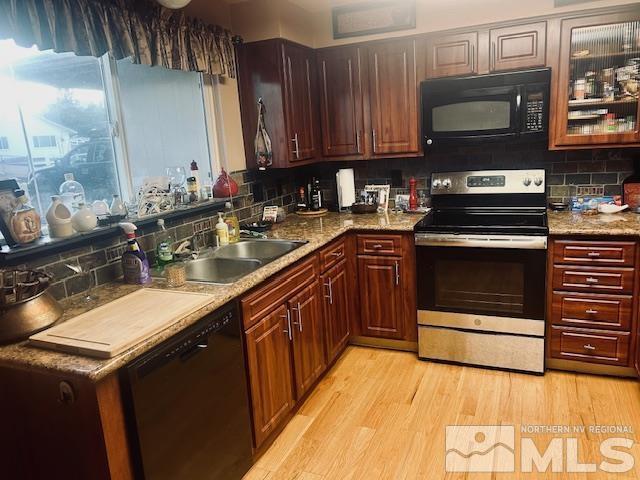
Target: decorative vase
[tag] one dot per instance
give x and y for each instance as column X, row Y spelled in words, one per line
column 225, row 186
column 84, row 220
column 118, row 208
column 59, row 219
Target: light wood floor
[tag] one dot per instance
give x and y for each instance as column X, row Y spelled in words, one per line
column 380, row 414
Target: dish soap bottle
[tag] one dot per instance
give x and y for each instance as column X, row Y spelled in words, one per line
column 232, row 222
column 164, row 251
column 135, row 264
column 222, row 231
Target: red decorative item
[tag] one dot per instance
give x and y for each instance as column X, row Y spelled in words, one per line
column 413, row 196
column 225, row 186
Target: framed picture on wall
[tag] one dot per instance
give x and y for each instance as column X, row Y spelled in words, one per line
column 373, row 17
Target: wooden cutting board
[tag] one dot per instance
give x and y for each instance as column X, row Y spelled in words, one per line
column 110, row 329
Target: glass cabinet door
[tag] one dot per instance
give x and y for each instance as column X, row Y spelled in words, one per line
column 599, row 81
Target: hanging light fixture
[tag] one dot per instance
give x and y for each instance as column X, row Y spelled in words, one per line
column 173, row 4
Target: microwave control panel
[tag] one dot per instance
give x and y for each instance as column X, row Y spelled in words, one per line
column 535, row 112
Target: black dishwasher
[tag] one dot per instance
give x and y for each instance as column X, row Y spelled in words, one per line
column 188, row 410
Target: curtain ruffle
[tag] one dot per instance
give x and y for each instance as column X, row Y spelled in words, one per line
column 142, row 30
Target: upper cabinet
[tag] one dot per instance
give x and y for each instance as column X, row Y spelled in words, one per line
column 452, row 54
column 597, row 84
column 341, row 103
column 282, row 74
column 369, row 100
column 520, row 46
column 393, row 97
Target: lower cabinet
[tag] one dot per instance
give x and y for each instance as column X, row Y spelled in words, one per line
column 307, row 338
column 269, row 364
column 381, row 291
column 336, row 309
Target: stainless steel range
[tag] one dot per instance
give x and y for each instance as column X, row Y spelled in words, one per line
column 481, row 263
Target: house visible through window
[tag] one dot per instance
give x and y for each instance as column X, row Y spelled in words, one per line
column 111, row 124
column 44, row 141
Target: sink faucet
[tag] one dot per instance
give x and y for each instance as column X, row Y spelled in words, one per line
column 197, row 242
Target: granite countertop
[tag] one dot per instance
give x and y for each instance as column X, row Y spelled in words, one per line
column 616, row 224
column 317, row 231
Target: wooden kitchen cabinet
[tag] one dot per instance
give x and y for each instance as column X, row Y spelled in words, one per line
column 596, row 102
column 308, row 338
column 268, row 350
column 518, row 46
column 282, row 74
column 341, row 101
column 393, row 96
column 450, row 55
column 381, row 290
column 336, row 308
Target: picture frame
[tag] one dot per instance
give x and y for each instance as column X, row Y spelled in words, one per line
column 382, row 194
column 373, row 17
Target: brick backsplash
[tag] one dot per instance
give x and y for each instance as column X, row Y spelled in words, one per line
column 566, row 171
column 103, row 257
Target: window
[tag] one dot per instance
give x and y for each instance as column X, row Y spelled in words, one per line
column 44, row 141
column 111, row 124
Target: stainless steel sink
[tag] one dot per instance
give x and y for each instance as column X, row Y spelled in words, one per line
column 220, row 270
column 267, row 250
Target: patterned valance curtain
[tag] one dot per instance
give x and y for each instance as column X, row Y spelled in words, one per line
column 140, row 29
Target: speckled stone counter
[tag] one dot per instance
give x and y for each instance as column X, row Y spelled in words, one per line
column 317, row 231
column 568, row 223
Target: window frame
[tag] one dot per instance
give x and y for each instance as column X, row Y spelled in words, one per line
column 4, row 143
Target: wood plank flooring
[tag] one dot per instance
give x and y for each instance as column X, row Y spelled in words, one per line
column 381, row 414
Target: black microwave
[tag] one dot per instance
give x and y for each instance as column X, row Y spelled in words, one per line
column 501, row 106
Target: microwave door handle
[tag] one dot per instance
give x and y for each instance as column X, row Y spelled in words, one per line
column 518, row 109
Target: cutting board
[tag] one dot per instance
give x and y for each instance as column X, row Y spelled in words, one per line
column 110, row 329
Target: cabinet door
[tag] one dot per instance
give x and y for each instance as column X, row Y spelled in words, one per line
column 341, row 101
column 301, row 106
column 452, row 55
column 381, row 295
column 336, row 309
column 597, row 94
column 308, row 338
column 393, row 97
column 520, row 46
column 269, row 362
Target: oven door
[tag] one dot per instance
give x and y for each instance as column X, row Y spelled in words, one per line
column 485, row 283
column 482, row 113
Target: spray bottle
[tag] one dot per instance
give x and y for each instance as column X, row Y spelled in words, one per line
column 135, row 264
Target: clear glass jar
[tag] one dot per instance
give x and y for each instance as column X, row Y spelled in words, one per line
column 71, row 192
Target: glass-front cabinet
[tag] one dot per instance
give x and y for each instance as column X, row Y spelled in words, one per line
column 599, row 78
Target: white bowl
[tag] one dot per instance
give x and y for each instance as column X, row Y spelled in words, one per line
column 608, row 208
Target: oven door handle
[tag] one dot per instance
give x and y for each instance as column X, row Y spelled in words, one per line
column 482, row 241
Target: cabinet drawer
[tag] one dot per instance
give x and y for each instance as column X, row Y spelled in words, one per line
column 593, row 279
column 611, row 312
column 611, row 348
column 594, row 253
column 277, row 290
column 380, row 244
column 332, row 254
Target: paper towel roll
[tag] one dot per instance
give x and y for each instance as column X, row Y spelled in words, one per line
column 346, row 187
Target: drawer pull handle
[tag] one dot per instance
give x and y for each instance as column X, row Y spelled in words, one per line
column 336, row 254
column 376, row 246
column 588, row 346
column 591, row 280
column 593, row 254
column 590, row 311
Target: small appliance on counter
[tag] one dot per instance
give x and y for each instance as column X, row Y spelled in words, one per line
column 26, row 306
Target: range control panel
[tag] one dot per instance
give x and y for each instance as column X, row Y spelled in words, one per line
column 488, row 181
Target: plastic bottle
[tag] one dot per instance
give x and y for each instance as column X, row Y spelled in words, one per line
column 195, row 173
column 164, row 250
column 222, row 231
column 135, row 264
column 72, row 192
column 232, row 222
